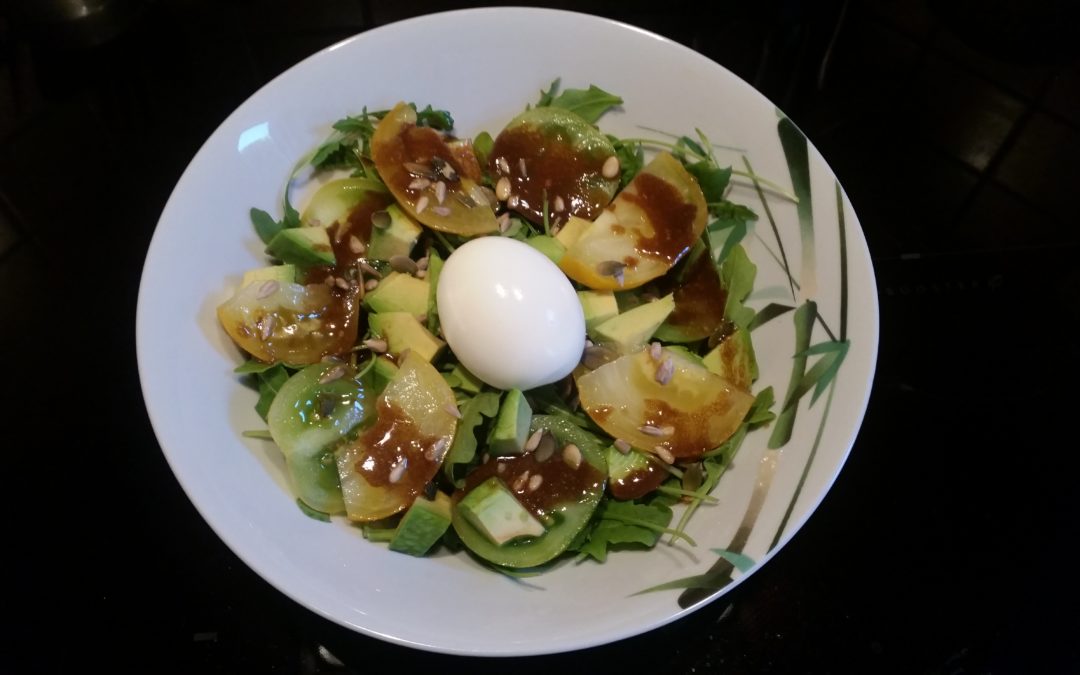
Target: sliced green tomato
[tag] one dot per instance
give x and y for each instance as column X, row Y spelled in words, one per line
column 294, row 323
column 404, row 152
column 563, row 157
column 334, row 201
column 648, row 228
column 388, row 465
column 565, row 520
column 315, row 410
column 699, row 300
column 694, row 412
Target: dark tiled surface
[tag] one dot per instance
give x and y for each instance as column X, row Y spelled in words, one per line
column 941, row 549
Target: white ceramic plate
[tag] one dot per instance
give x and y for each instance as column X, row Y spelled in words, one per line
column 484, row 66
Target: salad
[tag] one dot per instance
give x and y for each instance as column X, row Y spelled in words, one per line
column 528, row 346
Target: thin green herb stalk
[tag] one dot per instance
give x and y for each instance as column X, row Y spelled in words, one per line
column 651, row 526
column 544, row 213
column 450, row 248
column 699, row 495
column 661, row 463
column 676, row 136
column 258, row 433
column 679, row 492
column 773, row 187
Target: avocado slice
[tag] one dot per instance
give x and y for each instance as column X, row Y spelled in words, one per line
column 493, row 510
column 568, row 518
column 399, row 293
column 284, row 274
column 598, row 306
column 422, row 525
column 511, row 429
column 302, row 246
column 634, row 327
column 402, row 331
column 549, row 246
column 734, row 360
column 382, row 372
column 396, row 239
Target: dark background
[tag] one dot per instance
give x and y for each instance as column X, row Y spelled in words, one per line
column 945, row 545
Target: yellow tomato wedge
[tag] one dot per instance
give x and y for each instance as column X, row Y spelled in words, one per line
column 294, row 323
column 646, row 230
column 388, row 465
column 692, row 413
column 414, row 161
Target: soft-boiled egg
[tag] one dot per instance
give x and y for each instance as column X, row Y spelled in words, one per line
column 509, row 314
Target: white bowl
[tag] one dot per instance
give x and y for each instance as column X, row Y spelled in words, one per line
column 484, row 65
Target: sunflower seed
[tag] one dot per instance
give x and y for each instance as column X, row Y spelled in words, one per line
column 371, row 284
column 403, row 264
column 521, row 167
column 376, row 345
column 266, row 327
column 443, row 211
column 453, row 410
column 421, row 204
column 519, row 482
column 655, row 351
column 420, row 274
column 419, row 184
column 557, row 205
column 369, row 270
column 341, row 283
column 665, row 431
column 335, row 373
column 533, row 440
column 665, row 371
column 420, row 170
column 440, row 192
column 664, row 454
column 610, row 168
column 622, row 446
column 329, row 280
column 500, row 468
column 612, row 268
column 571, row 454
column 504, row 222
column 482, row 195
column 545, row 448
column 380, row 220
column 534, row 482
column 436, row 451
column 355, row 245
column 502, row 189
column 513, row 201
column 398, row 471
column 502, row 165
column 266, row 289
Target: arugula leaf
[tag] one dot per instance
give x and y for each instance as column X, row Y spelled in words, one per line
column 590, row 104
column 460, row 378
column 265, row 226
column 686, row 143
column 712, row 179
column 737, row 277
column 546, row 97
column 252, row 366
column 631, row 158
column 760, row 412
column 436, row 119
column 292, row 216
column 624, row 523
column 463, row 449
column 270, row 381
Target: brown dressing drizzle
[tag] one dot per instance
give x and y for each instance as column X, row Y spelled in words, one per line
column 553, row 169
column 691, row 439
column 638, row 483
column 699, row 300
column 561, row 482
column 392, row 438
column 671, row 216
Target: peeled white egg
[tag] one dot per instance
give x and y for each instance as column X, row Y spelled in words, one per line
column 509, row 314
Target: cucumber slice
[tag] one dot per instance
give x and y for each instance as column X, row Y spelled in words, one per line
column 567, row 519
column 307, row 419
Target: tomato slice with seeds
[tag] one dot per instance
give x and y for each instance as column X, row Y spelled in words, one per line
column 553, row 155
column 415, row 161
column 294, row 323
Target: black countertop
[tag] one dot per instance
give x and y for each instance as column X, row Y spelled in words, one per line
column 942, row 548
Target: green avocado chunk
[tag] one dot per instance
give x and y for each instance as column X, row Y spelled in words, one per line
column 396, row 239
column 399, row 293
column 493, row 510
column 511, row 429
column 422, row 525
column 634, row 327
